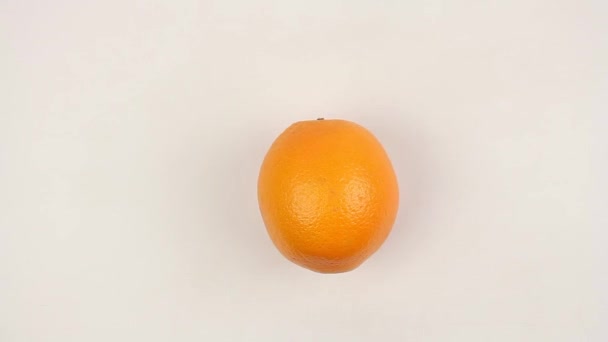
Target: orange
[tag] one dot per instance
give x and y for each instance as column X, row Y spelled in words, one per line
column 328, row 194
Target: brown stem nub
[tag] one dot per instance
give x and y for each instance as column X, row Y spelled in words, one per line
column 320, row 118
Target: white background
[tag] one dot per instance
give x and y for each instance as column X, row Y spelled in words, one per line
column 131, row 133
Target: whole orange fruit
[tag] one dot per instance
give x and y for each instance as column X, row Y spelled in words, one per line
column 328, row 194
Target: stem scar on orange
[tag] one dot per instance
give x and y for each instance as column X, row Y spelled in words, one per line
column 328, row 194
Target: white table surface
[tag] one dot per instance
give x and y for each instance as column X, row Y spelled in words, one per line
column 131, row 134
